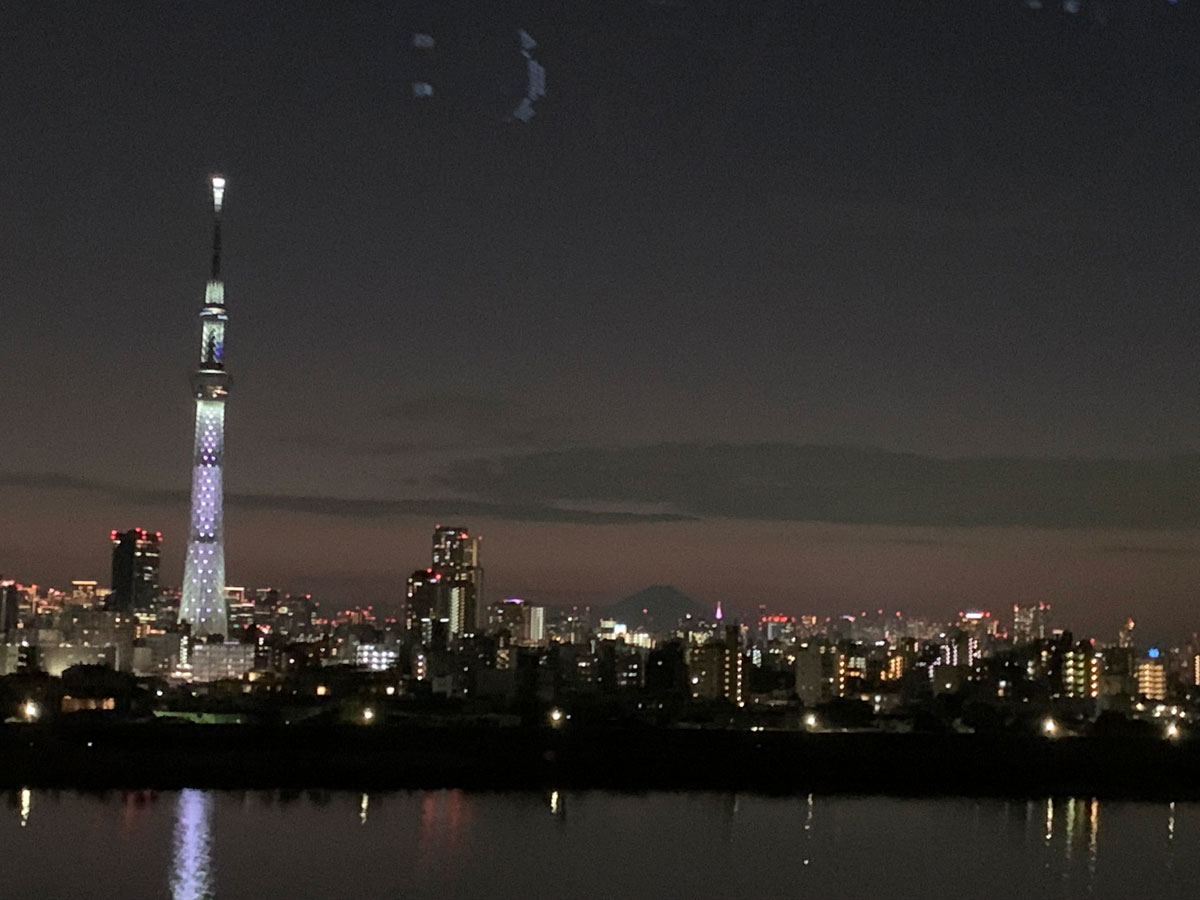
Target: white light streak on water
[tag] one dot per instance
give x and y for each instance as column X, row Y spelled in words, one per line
column 191, row 872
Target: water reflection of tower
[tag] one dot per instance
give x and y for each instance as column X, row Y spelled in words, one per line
column 191, row 870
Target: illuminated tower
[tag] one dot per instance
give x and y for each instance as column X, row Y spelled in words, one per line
column 203, row 602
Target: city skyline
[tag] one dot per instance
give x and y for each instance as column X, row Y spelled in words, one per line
column 963, row 376
column 450, row 590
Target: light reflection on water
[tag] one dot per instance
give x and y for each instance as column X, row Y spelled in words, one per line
column 451, row 843
column 192, row 870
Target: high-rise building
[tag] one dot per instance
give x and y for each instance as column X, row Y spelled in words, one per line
column 535, row 624
column 523, row 622
column 85, row 592
column 456, row 559
column 775, row 627
column 821, row 671
column 203, row 603
column 978, row 623
column 1081, row 671
column 266, row 599
column 1031, row 622
column 1125, row 634
column 1152, row 676
column 213, row 662
column 666, row 673
column 961, row 649
column 10, row 607
column 135, row 558
column 167, row 614
column 896, row 665
column 508, row 615
column 810, row 670
column 717, row 669
column 241, row 610
column 376, row 657
column 424, row 598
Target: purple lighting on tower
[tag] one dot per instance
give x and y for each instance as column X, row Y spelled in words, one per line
column 203, row 601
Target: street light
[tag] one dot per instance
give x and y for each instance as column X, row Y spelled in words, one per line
column 368, row 715
column 31, row 710
column 1049, row 727
column 556, row 717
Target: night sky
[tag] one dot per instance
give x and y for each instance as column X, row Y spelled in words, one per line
column 823, row 305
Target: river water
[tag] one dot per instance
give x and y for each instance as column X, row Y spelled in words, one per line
column 451, row 844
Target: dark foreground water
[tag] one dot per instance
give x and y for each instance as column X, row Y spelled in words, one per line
column 451, row 844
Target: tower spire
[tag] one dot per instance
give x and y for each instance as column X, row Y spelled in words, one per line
column 218, row 192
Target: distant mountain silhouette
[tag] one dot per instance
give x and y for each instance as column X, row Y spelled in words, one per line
column 662, row 604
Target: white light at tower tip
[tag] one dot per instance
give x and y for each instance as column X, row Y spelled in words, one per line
column 218, row 189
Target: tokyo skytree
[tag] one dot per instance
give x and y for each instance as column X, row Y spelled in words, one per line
column 203, row 602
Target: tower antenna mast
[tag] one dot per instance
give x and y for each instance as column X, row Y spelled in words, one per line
column 218, row 192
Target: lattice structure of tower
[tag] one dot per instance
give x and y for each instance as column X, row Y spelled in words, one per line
column 203, row 602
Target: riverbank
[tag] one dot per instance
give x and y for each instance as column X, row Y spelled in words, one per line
column 171, row 756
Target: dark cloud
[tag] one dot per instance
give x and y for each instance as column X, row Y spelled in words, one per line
column 58, row 481
column 894, row 540
column 774, row 482
column 845, row 485
column 47, row 481
column 445, row 509
column 475, row 420
column 447, row 424
column 405, row 448
column 338, row 444
column 348, row 507
column 1143, row 550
